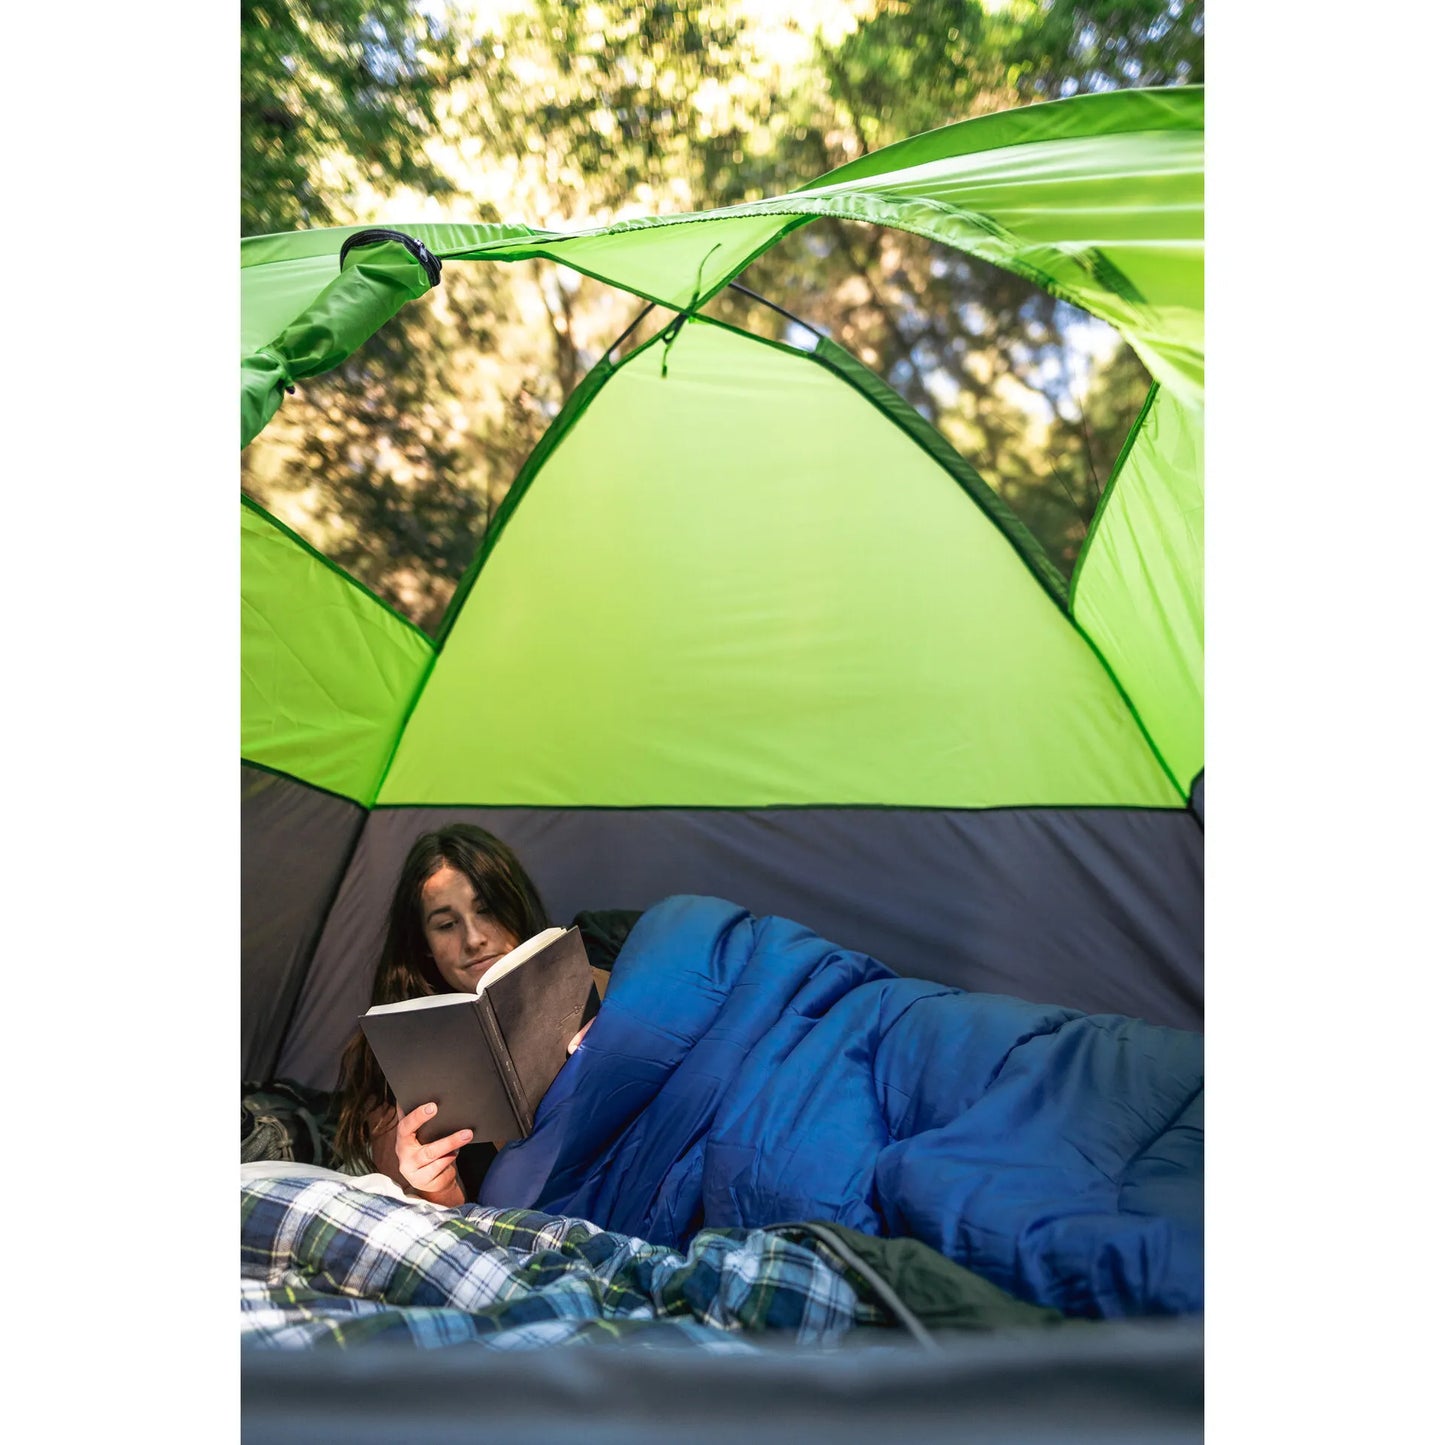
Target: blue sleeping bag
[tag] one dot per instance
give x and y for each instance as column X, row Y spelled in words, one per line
column 745, row 1072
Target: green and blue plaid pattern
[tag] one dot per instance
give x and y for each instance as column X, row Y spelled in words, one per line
column 324, row 1263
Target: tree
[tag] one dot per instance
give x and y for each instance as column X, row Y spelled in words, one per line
column 336, row 94
column 1104, row 44
column 561, row 114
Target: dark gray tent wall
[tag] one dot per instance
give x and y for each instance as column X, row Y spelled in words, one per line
column 296, row 842
column 1097, row 909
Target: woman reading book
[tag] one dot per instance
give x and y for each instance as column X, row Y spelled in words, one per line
column 749, row 1072
column 462, row 903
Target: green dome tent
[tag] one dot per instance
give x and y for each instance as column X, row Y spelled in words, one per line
column 746, row 625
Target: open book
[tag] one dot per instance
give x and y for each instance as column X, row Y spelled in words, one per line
column 486, row 1058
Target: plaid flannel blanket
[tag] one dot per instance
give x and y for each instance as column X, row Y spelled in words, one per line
column 325, row 1263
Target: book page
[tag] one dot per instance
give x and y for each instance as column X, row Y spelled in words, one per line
column 520, row 954
column 427, row 1000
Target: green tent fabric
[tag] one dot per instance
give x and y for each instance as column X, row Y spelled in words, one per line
column 1148, row 544
column 767, row 662
column 328, row 672
column 747, row 625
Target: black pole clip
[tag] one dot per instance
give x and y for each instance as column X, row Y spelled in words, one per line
column 375, row 235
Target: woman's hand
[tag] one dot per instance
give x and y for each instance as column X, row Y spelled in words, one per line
column 579, row 1036
column 429, row 1170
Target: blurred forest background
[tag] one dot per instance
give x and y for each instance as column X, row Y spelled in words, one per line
column 566, row 115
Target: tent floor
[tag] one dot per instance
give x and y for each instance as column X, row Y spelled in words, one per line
column 1136, row 1381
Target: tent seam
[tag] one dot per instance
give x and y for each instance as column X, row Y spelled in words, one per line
column 791, row 222
column 572, row 411
column 276, row 772
column 1094, row 527
column 863, row 168
column 1172, row 811
column 261, row 511
column 923, row 434
column 1102, row 508
column 313, row 942
column 1133, row 712
column 401, row 730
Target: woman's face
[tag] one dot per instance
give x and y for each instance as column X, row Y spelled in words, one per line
column 464, row 939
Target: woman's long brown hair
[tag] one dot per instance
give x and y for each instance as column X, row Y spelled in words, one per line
column 406, row 968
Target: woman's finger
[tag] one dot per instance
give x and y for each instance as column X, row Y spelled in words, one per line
column 408, row 1124
column 430, row 1175
column 430, row 1153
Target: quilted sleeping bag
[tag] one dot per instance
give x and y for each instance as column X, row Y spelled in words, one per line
column 744, row 1071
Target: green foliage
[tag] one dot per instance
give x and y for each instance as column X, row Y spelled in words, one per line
column 1103, row 44
column 615, row 106
column 335, row 93
column 559, row 113
column 916, row 66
